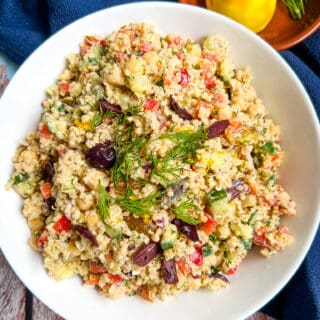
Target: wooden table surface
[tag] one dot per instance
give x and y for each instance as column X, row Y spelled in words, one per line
column 16, row 302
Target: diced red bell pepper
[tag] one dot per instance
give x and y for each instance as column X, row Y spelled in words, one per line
column 44, row 132
column 184, row 78
column 95, row 268
column 259, row 238
column 210, row 83
column 145, row 47
column 181, row 56
column 219, row 98
column 43, row 239
column 114, row 278
column 208, row 56
column 183, row 267
column 175, row 40
column 64, row 87
column 196, row 257
column 232, row 270
column 92, row 40
column 166, row 80
column 93, row 281
column 120, row 55
column 63, row 224
column 210, row 225
column 283, row 229
column 151, row 105
column 45, row 190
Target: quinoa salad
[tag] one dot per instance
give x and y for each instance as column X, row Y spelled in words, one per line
column 154, row 168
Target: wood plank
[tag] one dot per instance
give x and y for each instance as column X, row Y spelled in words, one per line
column 260, row 316
column 3, row 78
column 12, row 293
column 41, row 311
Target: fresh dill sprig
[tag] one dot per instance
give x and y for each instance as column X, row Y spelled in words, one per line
column 182, row 210
column 133, row 111
column 129, row 150
column 140, row 206
column 103, row 203
column 296, row 8
column 186, row 143
column 167, row 173
column 100, row 115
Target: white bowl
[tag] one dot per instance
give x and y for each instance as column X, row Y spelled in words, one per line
column 258, row 279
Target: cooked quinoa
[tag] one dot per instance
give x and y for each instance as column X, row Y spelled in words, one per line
column 154, row 169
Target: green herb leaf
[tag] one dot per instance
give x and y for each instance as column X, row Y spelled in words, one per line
column 213, row 238
column 20, row 177
column 215, row 269
column 186, row 143
column 296, row 8
column 271, row 181
column 93, row 61
column 217, row 195
column 182, row 209
column 269, row 148
column 160, row 83
column 206, row 251
column 103, row 202
column 252, row 218
column 247, row 244
column 140, row 206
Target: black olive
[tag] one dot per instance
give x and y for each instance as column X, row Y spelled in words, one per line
column 217, row 128
column 48, row 171
column 169, row 271
column 102, row 156
column 105, row 105
column 50, row 202
column 146, row 253
column 187, row 229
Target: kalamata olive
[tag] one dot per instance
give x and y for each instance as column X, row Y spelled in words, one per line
column 146, row 253
column 235, row 189
column 182, row 113
column 169, row 271
column 217, row 128
column 50, row 203
column 218, row 276
column 105, row 105
column 86, row 233
column 187, row 229
column 48, row 170
column 101, row 156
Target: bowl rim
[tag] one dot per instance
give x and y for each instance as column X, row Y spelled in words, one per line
column 279, row 46
column 315, row 123
column 299, row 37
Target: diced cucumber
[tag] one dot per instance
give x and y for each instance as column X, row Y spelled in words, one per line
column 96, row 51
column 113, row 233
column 166, row 245
column 221, row 208
column 207, row 251
column 168, row 237
column 20, row 177
column 217, row 195
column 24, row 188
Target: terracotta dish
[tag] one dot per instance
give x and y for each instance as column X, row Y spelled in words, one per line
column 283, row 32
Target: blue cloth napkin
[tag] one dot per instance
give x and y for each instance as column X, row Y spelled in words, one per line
column 25, row 24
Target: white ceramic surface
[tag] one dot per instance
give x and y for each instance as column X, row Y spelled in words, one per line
column 258, row 279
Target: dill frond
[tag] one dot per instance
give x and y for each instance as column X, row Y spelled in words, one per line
column 183, row 208
column 140, row 206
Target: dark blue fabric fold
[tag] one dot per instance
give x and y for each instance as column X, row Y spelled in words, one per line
column 25, row 24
